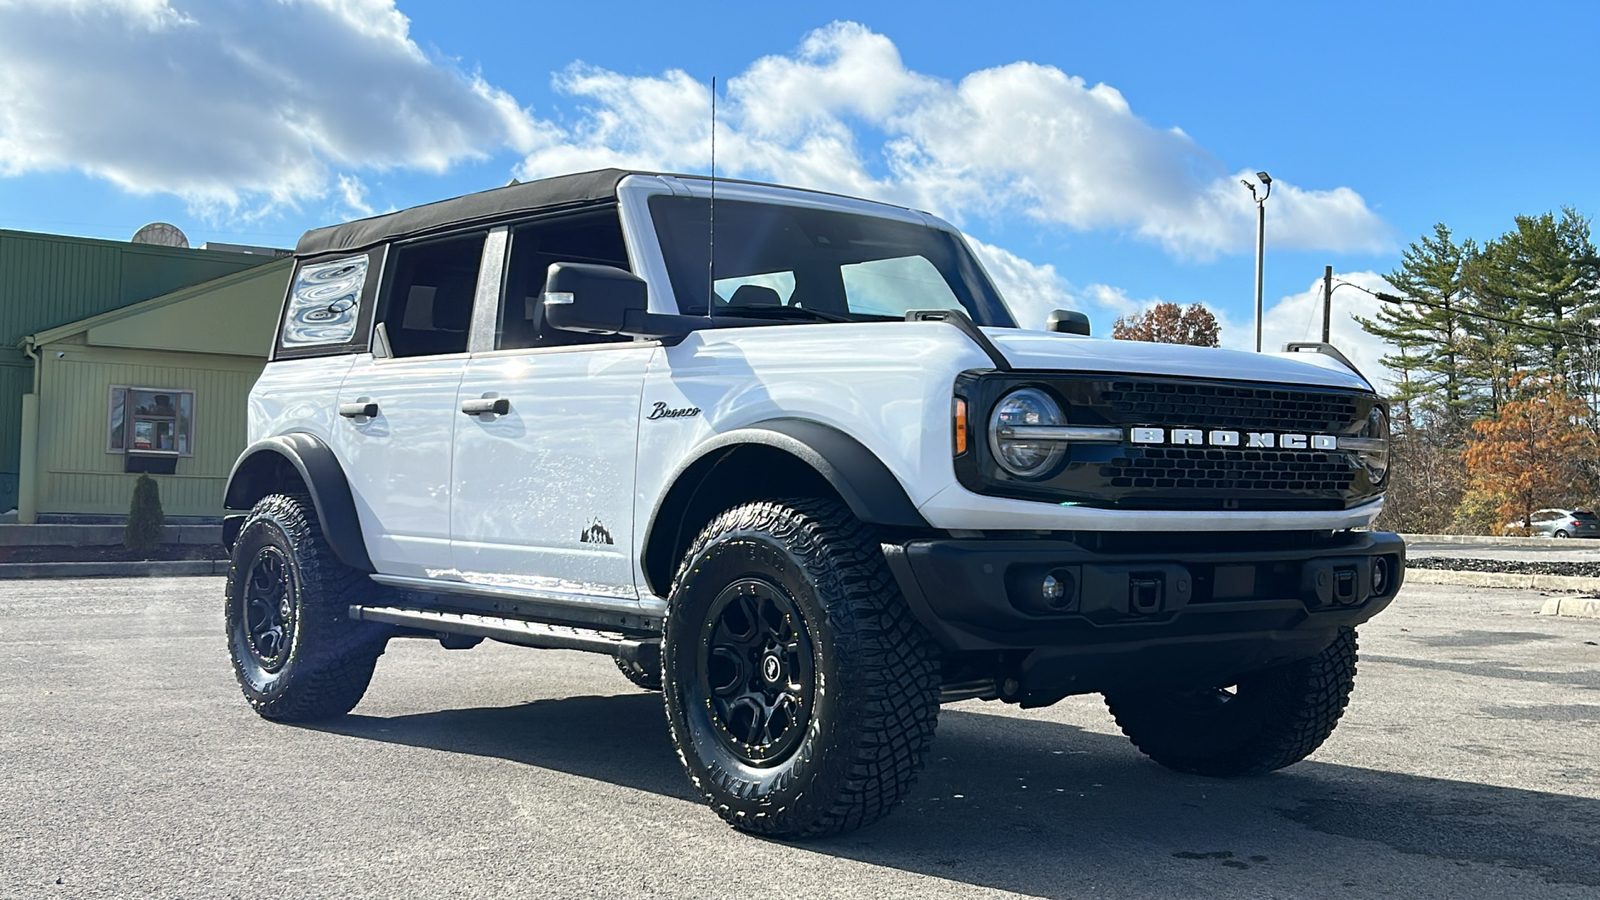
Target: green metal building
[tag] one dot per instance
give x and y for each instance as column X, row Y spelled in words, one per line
column 117, row 358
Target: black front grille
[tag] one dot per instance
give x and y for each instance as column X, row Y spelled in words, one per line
column 1232, row 471
column 1164, row 476
column 1212, row 405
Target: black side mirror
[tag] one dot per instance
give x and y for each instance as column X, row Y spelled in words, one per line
column 1068, row 321
column 593, row 299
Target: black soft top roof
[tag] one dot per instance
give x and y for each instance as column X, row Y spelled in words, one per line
column 554, row 193
column 560, row 192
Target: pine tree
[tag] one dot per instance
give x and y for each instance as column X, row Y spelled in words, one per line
column 1429, row 330
column 1496, row 352
column 1545, row 272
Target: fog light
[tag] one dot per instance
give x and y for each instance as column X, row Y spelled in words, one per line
column 1380, row 576
column 1054, row 590
column 1057, row 589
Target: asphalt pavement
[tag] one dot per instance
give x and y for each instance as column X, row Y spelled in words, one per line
column 130, row 767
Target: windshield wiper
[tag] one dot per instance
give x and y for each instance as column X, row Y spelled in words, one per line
column 785, row 312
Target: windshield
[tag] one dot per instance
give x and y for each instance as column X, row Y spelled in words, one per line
column 793, row 262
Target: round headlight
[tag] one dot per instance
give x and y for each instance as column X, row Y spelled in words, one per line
column 1015, row 453
column 1376, row 462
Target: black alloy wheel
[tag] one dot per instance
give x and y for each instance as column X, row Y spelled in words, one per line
column 269, row 608
column 755, row 671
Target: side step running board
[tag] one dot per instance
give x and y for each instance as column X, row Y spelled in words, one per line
column 513, row 631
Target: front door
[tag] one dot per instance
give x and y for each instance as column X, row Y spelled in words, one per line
column 543, row 496
column 544, row 492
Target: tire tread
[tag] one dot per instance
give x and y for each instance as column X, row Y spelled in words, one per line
column 1303, row 703
column 334, row 656
column 881, row 648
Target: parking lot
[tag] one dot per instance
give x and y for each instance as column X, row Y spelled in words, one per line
column 1468, row 765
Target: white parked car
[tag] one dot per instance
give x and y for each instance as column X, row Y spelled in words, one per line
column 1558, row 523
column 805, row 474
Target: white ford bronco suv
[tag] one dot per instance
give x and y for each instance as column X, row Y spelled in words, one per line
column 787, row 457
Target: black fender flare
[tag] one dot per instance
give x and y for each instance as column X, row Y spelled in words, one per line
column 254, row 476
column 855, row 473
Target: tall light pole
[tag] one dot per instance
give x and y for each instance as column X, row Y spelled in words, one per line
column 1261, row 236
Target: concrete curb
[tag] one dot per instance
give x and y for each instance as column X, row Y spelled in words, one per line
column 1583, row 607
column 149, row 568
column 99, row 535
column 1485, row 539
column 1520, row 582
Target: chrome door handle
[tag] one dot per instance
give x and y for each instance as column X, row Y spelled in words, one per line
column 498, row 406
column 359, row 408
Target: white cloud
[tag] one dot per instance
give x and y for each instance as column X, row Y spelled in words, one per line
column 354, row 195
column 843, row 113
column 246, row 107
column 1031, row 291
column 1298, row 317
column 232, row 106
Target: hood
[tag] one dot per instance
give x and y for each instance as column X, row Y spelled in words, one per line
column 1075, row 353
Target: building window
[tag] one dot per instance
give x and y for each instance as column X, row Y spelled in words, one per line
column 151, row 420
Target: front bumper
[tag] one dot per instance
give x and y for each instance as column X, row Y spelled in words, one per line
column 1143, row 619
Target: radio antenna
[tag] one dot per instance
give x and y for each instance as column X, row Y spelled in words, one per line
column 711, row 219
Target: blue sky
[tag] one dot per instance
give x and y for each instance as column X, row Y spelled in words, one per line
column 1092, row 150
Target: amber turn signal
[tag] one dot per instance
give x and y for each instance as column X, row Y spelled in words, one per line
column 961, row 425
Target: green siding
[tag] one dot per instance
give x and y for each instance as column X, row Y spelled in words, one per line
column 49, row 280
column 79, row 476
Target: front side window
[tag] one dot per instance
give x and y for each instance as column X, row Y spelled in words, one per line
column 594, row 237
column 800, row 263
column 151, row 420
column 325, row 302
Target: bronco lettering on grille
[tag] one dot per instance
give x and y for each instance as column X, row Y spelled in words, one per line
column 1267, row 440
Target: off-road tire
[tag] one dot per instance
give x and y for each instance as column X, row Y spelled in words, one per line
column 1273, row 719
column 641, row 675
column 872, row 666
column 324, row 660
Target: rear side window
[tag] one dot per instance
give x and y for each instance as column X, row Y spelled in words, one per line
column 427, row 309
column 325, row 303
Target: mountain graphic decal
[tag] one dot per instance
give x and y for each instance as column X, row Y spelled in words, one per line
column 596, row 534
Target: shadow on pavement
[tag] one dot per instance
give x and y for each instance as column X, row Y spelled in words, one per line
column 1028, row 805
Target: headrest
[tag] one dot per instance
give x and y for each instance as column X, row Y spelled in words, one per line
column 755, row 295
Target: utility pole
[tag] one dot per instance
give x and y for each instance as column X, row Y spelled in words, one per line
column 1261, row 236
column 1327, row 300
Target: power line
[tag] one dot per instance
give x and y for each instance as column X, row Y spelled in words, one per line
column 1391, row 298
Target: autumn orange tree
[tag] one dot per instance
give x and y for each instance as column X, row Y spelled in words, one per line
column 1169, row 323
column 1535, row 452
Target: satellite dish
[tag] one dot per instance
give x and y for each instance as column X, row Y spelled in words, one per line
column 161, row 235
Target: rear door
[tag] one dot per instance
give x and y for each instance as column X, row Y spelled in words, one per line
column 398, row 410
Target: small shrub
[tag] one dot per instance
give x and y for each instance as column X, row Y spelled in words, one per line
column 142, row 534
column 1479, row 513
